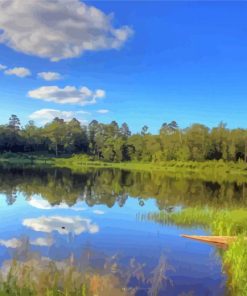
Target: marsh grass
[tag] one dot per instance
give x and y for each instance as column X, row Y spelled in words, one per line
column 218, row 222
column 43, row 277
column 38, row 278
column 205, row 170
column 235, row 263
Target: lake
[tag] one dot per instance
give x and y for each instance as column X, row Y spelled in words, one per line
column 88, row 225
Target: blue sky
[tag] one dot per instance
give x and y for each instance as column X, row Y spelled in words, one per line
column 153, row 62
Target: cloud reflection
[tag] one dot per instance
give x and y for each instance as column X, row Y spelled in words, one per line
column 61, row 224
column 42, row 242
column 39, row 203
column 11, row 243
column 98, row 212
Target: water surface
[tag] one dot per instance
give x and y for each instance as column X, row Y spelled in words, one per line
column 92, row 221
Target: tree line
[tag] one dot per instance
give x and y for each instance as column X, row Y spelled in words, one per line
column 115, row 143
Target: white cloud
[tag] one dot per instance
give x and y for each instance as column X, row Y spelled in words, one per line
column 103, row 111
column 61, row 224
column 11, row 243
column 2, row 67
column 46, row 115
column 42, row 242
column 58, row 29
column 18, row 71
column 67, row 95
column 49, row 76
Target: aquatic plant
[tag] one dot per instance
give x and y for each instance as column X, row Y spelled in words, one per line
column 235, row 261
column 218, row 222
column 41, row 276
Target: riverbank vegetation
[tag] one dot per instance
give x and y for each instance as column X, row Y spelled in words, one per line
column 228, row 222
column 214, row 170
column 116, row 143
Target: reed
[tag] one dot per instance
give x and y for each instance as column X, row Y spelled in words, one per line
column 218, row 222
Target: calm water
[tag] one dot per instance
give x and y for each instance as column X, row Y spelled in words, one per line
column 90, row 220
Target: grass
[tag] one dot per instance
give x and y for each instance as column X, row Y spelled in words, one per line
column 218, row 222
column 26, row 159
column 39, row 278
column 207, row 170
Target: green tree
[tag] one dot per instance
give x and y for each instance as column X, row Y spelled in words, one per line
column 14, row 123
column 56, row 132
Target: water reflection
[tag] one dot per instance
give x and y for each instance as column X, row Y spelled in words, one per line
column 78, row 234
column 94, row 273
column 46, row 188
column 39, row 203
column 61, row 224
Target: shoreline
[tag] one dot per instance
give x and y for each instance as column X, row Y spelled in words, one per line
column 207, row 170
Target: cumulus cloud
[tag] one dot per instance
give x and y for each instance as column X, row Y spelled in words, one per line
column 58, row 29
column 11, row 243
column 102, row 111
column 67, row 95
column 49, row 76
column 46, row 115
column 61, row 224
column 18, row 71
column 2, row 67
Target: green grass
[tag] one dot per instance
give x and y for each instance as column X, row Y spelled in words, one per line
column 218, row 222
column 235, row 262
column 207, row 170
column 41, row 278
column 25, row 159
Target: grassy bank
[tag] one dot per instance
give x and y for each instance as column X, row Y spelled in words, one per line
column 26, row 159
column 208, row 170
column 223, row 222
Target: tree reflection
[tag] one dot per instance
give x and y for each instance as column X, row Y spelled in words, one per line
column 112, row 186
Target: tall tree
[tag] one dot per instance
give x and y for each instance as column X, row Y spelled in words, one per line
column 144, row 130
column 124, row 130
column 14, row 123
column 56, row 131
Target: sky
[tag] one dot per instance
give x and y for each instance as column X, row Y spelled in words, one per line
column 140, row 62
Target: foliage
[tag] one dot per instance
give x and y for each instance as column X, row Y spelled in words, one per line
column 114, row 143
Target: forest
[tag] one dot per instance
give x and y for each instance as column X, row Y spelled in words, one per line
column 116, row 143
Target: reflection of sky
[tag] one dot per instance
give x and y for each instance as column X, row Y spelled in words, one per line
column 57, row 231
